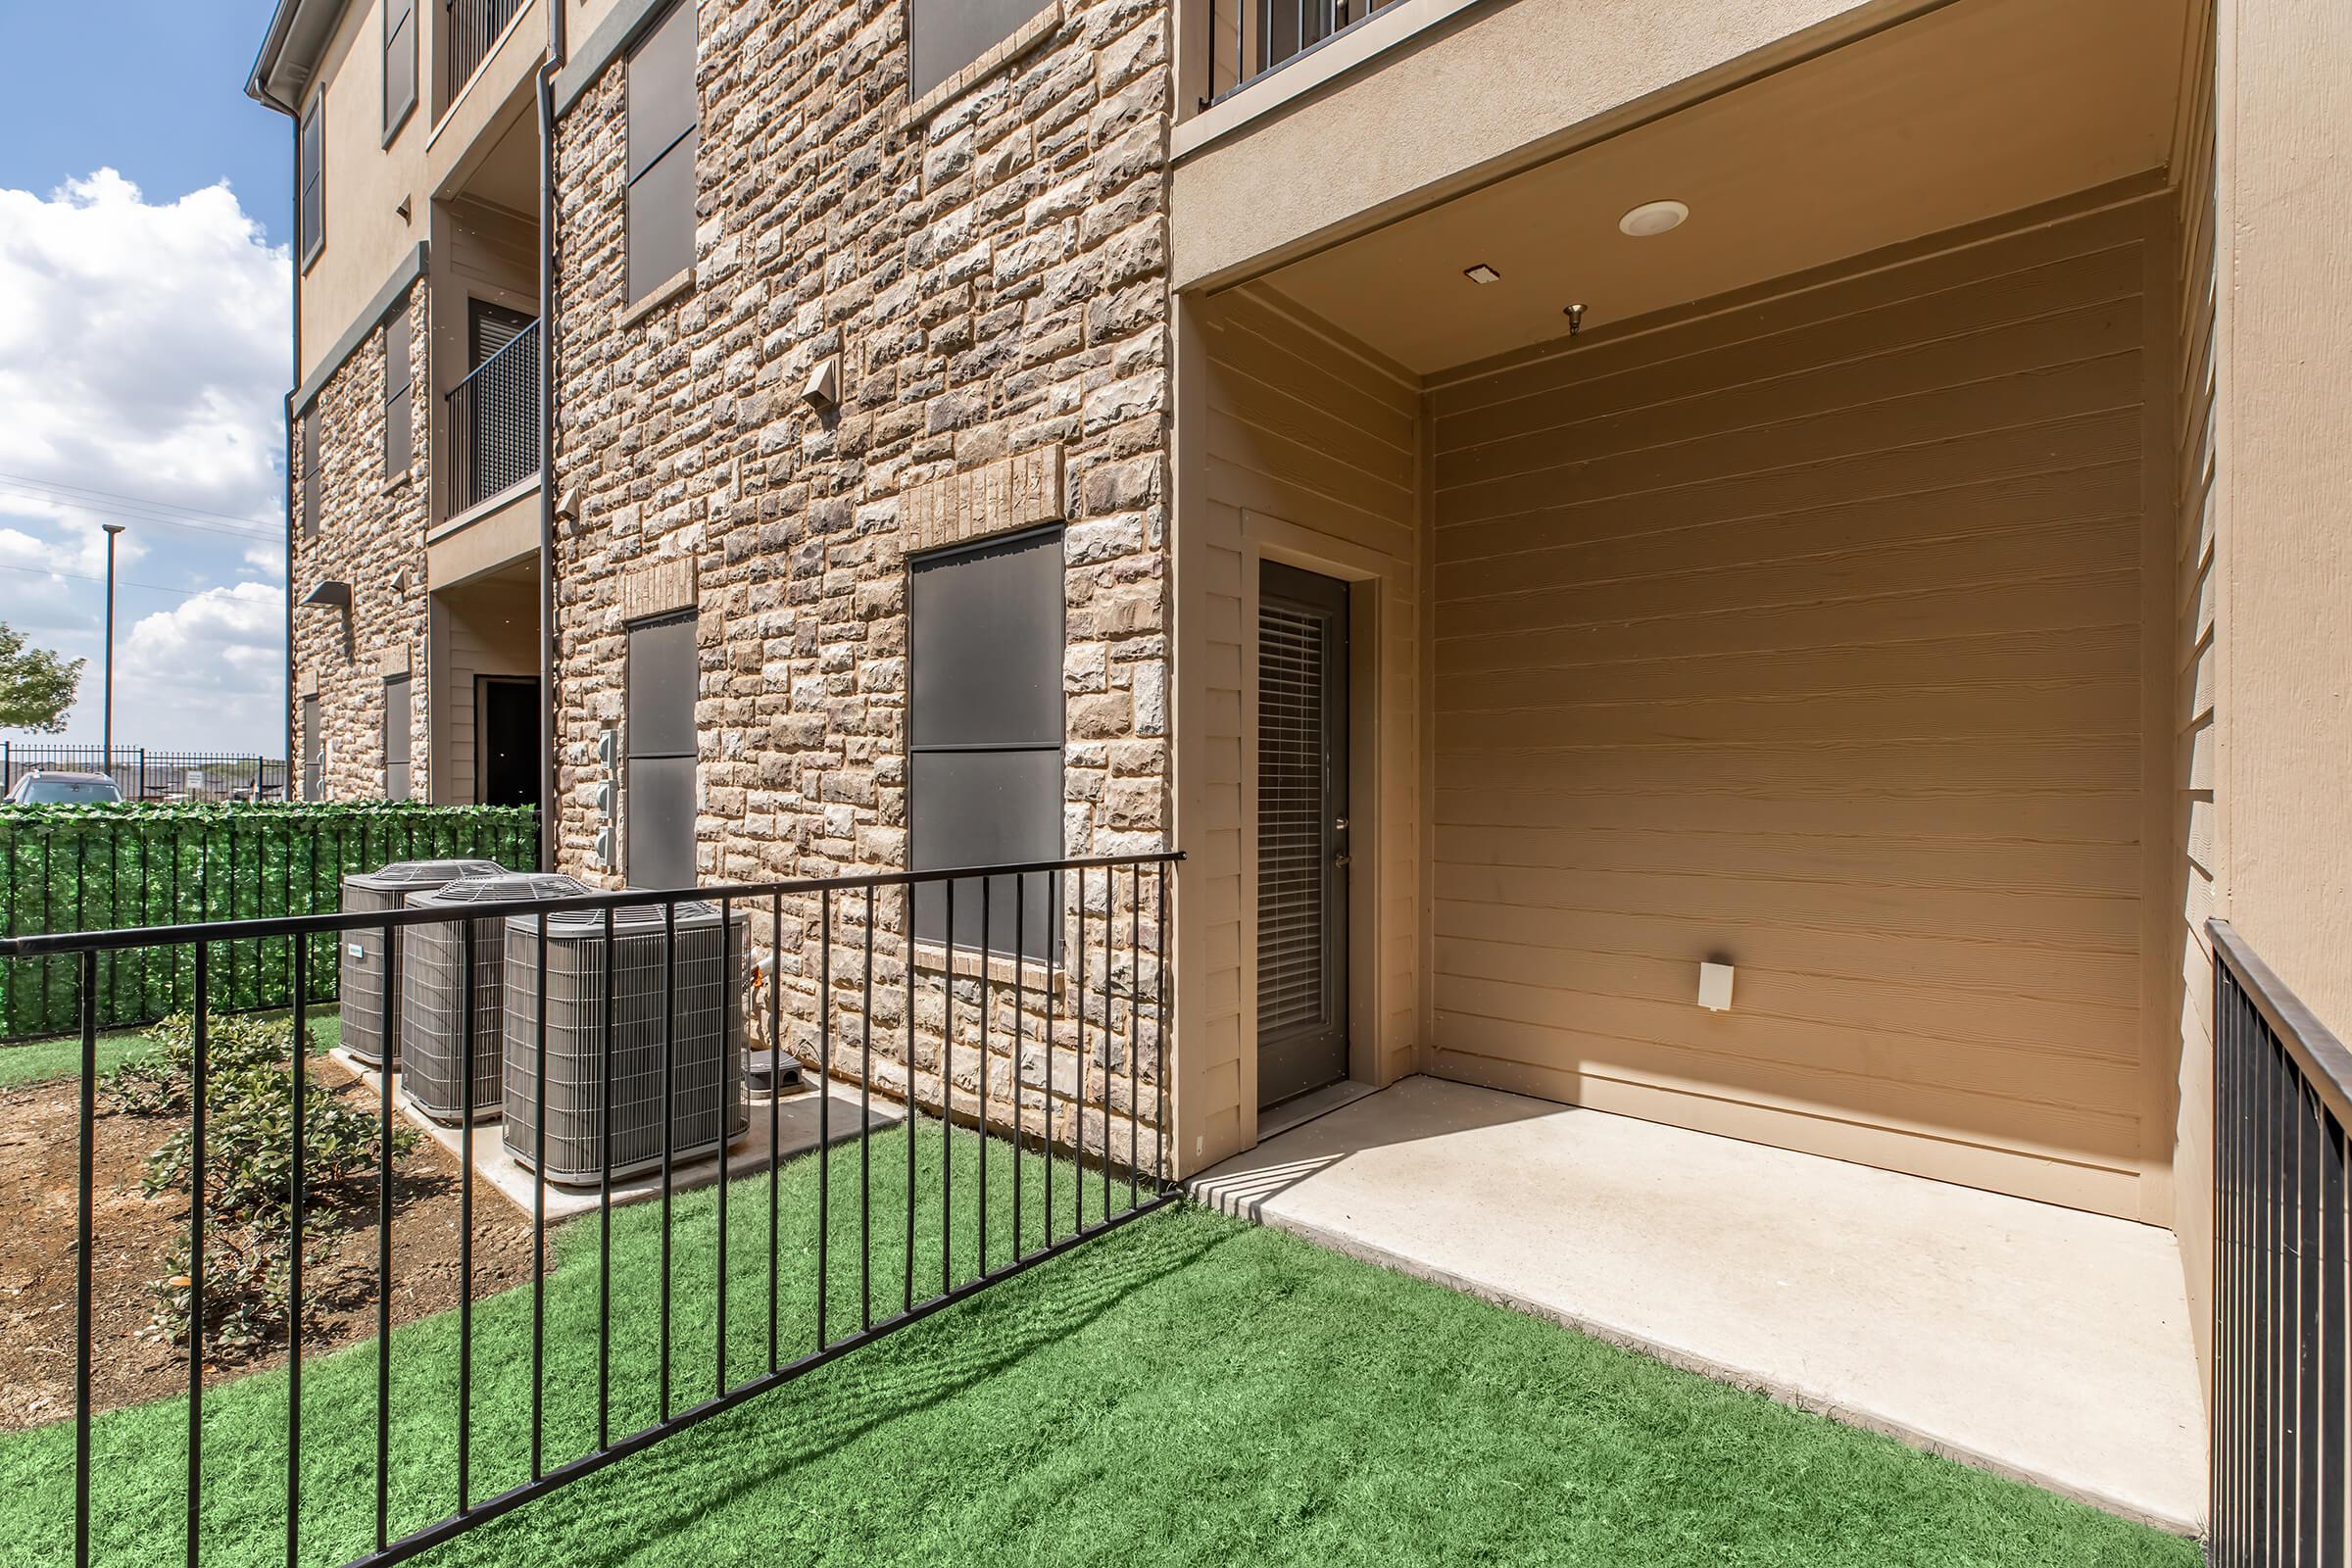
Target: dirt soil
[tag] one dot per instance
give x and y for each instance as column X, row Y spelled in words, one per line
column 136, row 1236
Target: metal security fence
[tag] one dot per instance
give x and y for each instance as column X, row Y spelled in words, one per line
column 103, row 868
column 471, row 28
column 2282, row 1272
column 983, row 1111
column 494, row 423
column 142, row 775
column 1249, row 38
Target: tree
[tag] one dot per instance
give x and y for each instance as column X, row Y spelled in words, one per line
column 36, row 686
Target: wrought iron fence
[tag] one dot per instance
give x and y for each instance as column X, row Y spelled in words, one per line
column 71, row 869
column 981, row 1111
column 2283, row 1271
column 1249, row 38
column 472, row 28
column 142, row 775
column 494, row 423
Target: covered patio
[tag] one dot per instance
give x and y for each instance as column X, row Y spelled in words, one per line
column 2041, row 1342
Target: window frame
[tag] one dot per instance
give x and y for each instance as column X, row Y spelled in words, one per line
column 930, row 924
column 395, row 120
column 311, row 482
column 310, row 176
column 404, row 732
column 630, row 753
column 400, row 328
column 919, row 91
column 686, row 142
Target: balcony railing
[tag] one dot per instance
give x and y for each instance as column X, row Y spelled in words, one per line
column 1247, row 38
column 2283, row 1271
column 494, row 423
column 983, row 1114
column 472, row 29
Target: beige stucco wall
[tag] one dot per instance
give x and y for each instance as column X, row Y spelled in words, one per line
column 1487, row 89
column 2284, row 547
column 1301, row 449
column 1812, row 635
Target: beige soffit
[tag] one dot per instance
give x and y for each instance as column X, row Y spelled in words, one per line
column 1982, row 108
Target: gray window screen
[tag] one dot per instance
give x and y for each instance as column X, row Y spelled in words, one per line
column 658, row 727
column 664, row 120
column 311, row 157
column 985, row 730
column 309, row 471
column 313, row 753
column 396, row 738
column 400, row 62
column 398, row 406
column 947, row 35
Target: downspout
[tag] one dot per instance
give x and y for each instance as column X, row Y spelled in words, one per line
column 547, row 434
column 294, row 336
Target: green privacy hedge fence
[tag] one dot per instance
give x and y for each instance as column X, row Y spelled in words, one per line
column 91, row 868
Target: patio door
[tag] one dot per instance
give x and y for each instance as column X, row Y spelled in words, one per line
column 505, row 746
column 1302, row 832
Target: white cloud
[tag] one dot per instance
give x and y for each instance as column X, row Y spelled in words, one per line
column 142, row 350
column 143, row 354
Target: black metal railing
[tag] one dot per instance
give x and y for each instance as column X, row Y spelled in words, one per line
column 494, row 423
column 142, row 775
column 472, row 29
column 958, row 1072
column 2282, row 1268
column 1249, row 38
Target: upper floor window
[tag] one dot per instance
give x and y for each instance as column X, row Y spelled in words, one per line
column 985, row 632
column 400, row 63
column 664, row 133
column 310, row 472
column 310, row 178
column 399, row 407
column 945, row 35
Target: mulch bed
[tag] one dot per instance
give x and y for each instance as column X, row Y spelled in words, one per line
column 136, row 1234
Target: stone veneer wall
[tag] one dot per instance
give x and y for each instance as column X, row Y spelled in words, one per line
column 370, row 531
column 992, row 278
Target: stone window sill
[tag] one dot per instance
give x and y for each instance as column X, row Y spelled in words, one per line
column 676, row 287
column 1023, row 38
column 1035, row 974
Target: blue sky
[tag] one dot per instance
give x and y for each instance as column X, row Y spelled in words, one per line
column 143, row 352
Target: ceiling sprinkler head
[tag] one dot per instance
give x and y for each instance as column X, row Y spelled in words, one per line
column 1576, row 318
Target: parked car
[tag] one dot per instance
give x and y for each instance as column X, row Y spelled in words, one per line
column 64, row 789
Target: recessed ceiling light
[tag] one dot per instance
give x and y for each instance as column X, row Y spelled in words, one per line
column 1653, row 217
column 1482, row 273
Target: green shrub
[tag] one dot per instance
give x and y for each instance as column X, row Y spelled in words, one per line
column 249, row 1174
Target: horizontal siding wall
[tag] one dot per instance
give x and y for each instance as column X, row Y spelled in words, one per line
column 1809, row 635
column 1306, row 451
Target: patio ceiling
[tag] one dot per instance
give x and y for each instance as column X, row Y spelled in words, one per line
column 1984, row 108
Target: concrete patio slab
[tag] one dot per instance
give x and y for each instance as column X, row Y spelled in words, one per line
column 2041, row 1342
column 796, row 1132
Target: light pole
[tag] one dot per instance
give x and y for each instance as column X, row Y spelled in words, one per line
column 107, row 709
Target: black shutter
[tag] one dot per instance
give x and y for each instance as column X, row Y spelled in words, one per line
column 490, row 327
column 311, row 157
column 947, row 35
column 984, row 723
column 664, row 111
column 396, row 738
column 400, row 63
column 310, row 472
column 399, row 404
column 313, row 753
column 659, row 728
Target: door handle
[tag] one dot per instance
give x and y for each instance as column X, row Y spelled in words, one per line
column 1340, row 860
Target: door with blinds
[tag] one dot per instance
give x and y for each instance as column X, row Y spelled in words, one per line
column 1302, row 832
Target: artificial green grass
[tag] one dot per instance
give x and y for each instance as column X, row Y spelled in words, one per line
column 38, row 1061
column 1185, row 1389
